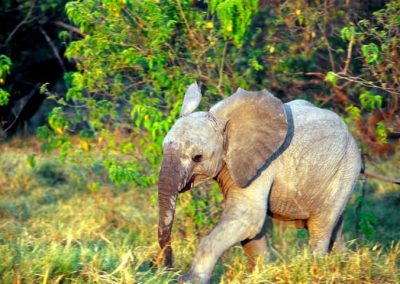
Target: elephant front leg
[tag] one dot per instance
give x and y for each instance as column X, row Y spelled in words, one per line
column 234, row 226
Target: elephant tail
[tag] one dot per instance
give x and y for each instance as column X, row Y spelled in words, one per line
column 369, row 174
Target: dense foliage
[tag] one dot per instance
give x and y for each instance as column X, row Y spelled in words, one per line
column 134, row 64
column 137, row 57
column 31, row 54
column 5, row 66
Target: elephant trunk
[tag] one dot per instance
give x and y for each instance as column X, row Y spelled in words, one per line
column 168, row 187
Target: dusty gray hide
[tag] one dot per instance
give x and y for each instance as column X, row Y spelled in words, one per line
column 295, row 161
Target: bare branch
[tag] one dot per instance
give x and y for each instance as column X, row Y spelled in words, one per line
column 366, row 83
column 70, row 28
column 348, row 58
column 23, row 22
column 382, row 178
column 23, row 103
column 323, row 30
column 178, row 2
column 221, row 67
column 352, row 79
column 54, row 48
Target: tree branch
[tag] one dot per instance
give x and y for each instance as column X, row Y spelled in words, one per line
column 28, row 15
column 24, row 101
column 348, row 58
column 382, row 178
column 221, row 67
column 54, row 48
column 178, row 2
column 69, row 28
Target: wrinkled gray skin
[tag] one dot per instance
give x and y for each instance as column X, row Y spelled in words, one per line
column 302, row 170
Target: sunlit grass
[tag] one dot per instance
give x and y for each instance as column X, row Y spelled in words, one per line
column 54, row 229
column 366, row 265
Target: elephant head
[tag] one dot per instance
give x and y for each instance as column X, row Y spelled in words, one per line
column 242, row 132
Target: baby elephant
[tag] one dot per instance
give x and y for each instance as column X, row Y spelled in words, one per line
column 295, row 161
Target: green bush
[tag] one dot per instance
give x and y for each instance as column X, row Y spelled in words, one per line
column 134, row 64
column 5, row 67
column 136, row 59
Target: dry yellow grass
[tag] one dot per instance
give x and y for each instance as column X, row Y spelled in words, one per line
column 54, row 229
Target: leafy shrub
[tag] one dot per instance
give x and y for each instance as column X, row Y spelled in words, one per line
column 5, row 67
column 136, row 59
column 134, row 64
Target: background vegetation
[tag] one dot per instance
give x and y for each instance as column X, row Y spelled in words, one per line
column 101, row 82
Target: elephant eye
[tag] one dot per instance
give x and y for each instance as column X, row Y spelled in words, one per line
column 197, row 158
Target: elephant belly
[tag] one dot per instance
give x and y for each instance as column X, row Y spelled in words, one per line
column 299, row 223
column 285, row 205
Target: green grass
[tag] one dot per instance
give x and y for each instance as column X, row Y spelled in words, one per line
column 54, row 227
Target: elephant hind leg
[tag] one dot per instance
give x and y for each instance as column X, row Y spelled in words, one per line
column 255, row 249
column 326, row 234
column 326, row 227
column 337, row 242
column 320, row 229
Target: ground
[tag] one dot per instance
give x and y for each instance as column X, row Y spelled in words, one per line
column 56, row 227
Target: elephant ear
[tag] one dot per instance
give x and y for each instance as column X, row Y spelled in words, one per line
column 256, row 127
column 191, row 100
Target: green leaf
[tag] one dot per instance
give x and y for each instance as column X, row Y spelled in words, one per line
column 43, row 88
column 4, row 97
column 31, row 160
column 370, row 52
column 331, row 77
column 57, row 120
column 347, row 33
column 381, row 132
column 369, row 101
column 256, row 65
column 354, row 112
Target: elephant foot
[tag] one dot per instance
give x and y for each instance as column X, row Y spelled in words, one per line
column 192, row 278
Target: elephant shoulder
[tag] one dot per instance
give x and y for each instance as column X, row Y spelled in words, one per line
column 305, row 112
column 300, row 103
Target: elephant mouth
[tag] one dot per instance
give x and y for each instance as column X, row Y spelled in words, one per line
column 188, row 185
column 195, row 180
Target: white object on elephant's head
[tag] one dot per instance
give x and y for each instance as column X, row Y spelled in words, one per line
column 191, row 100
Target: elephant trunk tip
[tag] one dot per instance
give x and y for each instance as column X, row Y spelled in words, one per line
column 164, row 256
